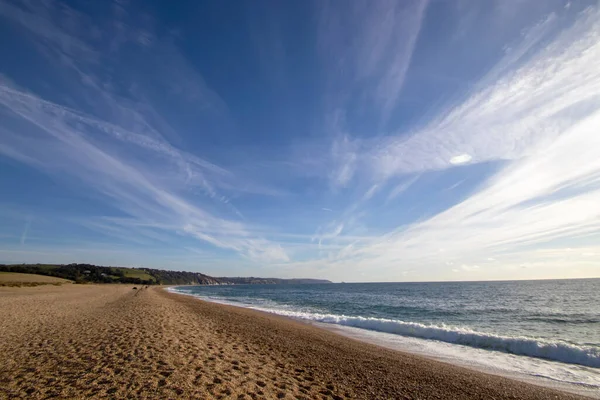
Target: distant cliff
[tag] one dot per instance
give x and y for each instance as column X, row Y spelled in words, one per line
column 88, row 273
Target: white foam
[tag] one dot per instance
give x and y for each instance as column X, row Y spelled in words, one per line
column 543, row 362
column 567, row 377
column 532, row 347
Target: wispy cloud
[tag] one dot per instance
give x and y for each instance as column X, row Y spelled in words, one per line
column 369, row 45
column 119, row 102
column 344, row 155
column 539, row 115
column 117, row 145
column 402, row 187
column 76, row 152
column 503, row 118
column 513, row 115
column 26, row 229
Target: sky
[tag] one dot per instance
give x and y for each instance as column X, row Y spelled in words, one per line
column 346, row 140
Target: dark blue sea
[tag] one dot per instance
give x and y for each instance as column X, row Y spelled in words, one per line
column 548, row 330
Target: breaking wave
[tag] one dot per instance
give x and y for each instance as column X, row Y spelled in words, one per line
column 550, row 350
column 560, row 351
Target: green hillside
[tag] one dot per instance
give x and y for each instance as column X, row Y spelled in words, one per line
column 134, row 273
column 87, row 273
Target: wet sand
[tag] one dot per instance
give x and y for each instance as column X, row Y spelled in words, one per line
column 109, row 341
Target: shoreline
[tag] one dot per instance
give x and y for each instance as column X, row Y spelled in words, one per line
column 578, row 388
column 377, row 338
column 93, row 341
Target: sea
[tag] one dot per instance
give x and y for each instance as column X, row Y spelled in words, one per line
column 545, row 332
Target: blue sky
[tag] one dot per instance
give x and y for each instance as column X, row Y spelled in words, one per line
column 349, row 140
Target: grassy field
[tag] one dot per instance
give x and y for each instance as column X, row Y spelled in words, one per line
column 88, row 273
column 18, row 279
column 135, row 273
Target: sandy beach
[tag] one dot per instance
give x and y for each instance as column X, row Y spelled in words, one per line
column 110, row 341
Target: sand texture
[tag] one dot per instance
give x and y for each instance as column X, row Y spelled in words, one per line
column 109, row 341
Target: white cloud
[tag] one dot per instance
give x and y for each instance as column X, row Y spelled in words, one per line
column 542, row 117
column 68, row 144
column 120, row 148
column 537, row 111
column 460, row 159
column 401, row 188
column 344, row 157
column 518, row 108
column 537, row 200
column 369, row 193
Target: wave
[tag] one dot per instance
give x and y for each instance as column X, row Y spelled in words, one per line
column 567, row 320
column 588, row 356
column 551, row 350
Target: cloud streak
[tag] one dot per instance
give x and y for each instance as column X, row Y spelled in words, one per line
column 540, row 116
column 120, row 102
column 26, row 230
column 70, row 143
column 522, row 103
column 132, row 189
column 369, row 42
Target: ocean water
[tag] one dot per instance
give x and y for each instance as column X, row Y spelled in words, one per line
column 547, row 332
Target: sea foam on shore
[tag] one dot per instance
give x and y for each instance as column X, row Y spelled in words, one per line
column 553, row 363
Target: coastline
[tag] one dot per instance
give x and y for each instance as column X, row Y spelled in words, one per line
column 431, row 350
column 112, row 341
column 393, row 342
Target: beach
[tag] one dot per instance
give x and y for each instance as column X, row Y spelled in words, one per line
column 111, row 341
